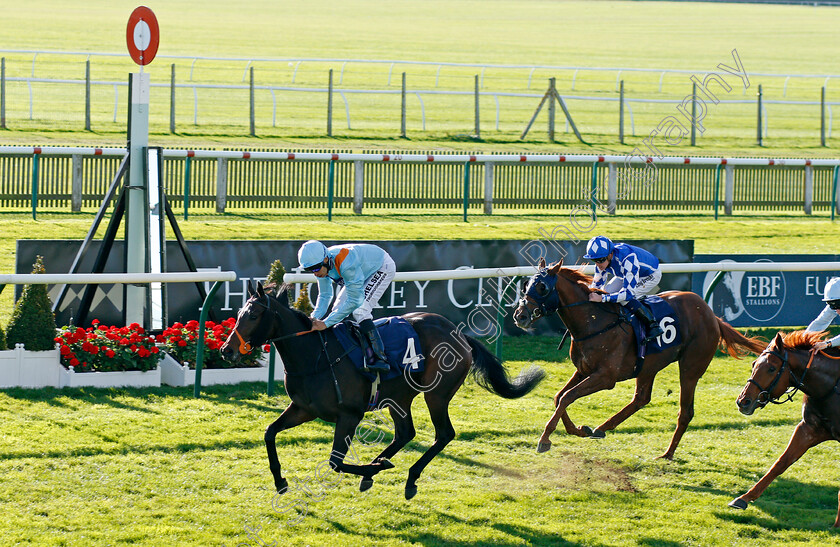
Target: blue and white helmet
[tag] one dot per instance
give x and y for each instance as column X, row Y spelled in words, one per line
column 598, row 247
column 312, row 253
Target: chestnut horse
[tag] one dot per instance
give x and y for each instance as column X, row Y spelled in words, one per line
column 791, row 364
column 603, row 348
column 323, row 382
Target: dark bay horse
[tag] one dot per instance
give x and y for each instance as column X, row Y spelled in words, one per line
column 603, row 348
column 322, row 381
column 790, row 364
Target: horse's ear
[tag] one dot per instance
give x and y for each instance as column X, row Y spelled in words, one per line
column 250, row 288
column 260, row 290
column 283, row 295
column 554, row 268
column 541, row 264
column 779, row 340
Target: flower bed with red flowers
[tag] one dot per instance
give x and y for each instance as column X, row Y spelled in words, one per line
column 181, row 342
column 107, row 349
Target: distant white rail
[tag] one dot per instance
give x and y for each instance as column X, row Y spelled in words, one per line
column 115, row 278
column 428, row 158
column 520, row 271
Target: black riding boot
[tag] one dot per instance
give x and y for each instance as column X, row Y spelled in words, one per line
column 644, row 315
column 378, row 363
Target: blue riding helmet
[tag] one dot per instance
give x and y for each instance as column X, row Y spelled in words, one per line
column 312, row 253
column 598, row 247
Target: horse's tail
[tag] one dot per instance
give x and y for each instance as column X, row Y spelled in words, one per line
column 735, row 343
column 492, row 376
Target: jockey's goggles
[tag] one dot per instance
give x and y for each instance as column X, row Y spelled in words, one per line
column 599, row 260
column 834, row 304
column 316, row 267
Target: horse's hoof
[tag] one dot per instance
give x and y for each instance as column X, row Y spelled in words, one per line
column 543, row 447
column 282, row 486
column 410, row 492
column 366, row 483
column 738, row 503
column 597, row 434
column 385, row 463
column 587, row 431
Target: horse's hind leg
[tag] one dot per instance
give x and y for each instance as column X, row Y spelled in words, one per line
column 837, row 520
column 693, row 364
column 444, row 433
column 403, row 432
column 803, row 438
column 345, row 430
column 644, row 388
column 291, row 417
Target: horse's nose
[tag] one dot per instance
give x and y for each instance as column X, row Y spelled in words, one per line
column 226, row 351
column 745, row 406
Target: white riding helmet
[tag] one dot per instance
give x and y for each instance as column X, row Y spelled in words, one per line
column 832, row 290
column 312, row 253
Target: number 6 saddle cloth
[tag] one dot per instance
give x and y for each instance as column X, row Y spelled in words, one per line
column 663, row 314
column 402, row 346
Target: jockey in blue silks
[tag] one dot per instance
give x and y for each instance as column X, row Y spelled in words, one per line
column 363, row 273
column 635, row 272
column 831, row 297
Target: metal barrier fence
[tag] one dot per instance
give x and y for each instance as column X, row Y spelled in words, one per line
column 73, row 178
column 289, row 96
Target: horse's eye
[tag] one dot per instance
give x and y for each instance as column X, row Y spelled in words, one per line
column 771, row 370
column 541, row 289
column 252, row 315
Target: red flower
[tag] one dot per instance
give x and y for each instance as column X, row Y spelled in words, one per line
column 110, row 353
column 74, row 362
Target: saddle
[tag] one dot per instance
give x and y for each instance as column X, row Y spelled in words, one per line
column 402, row 346
column 662, row 313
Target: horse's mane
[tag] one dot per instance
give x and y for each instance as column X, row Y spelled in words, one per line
column 576, row 276
column 801, row 339
column 281, row 295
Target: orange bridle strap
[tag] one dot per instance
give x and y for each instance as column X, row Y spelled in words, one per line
column 244, row 347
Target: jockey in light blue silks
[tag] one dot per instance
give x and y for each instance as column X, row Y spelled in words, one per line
column 363, row 272
column 831, row 297
column 635, row 272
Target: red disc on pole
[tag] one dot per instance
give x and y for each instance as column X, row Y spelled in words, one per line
column 142, row 35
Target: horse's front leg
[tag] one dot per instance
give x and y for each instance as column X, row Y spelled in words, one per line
column 587, row 386
column 804, row 437
column 570, row 426
column 291, row 417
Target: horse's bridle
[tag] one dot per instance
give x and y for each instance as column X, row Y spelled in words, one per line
column 766, row 395
column 262, row 327
column 549, row 303
column 245, row 347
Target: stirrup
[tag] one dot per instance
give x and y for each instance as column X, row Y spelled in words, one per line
column 652, row 334
column 377, row 366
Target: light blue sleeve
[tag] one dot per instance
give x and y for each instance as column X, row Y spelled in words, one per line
column 325, row 294
column 354, row 285
column 822, row 321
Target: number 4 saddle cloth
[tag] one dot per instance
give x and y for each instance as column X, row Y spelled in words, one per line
column 402, row 345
